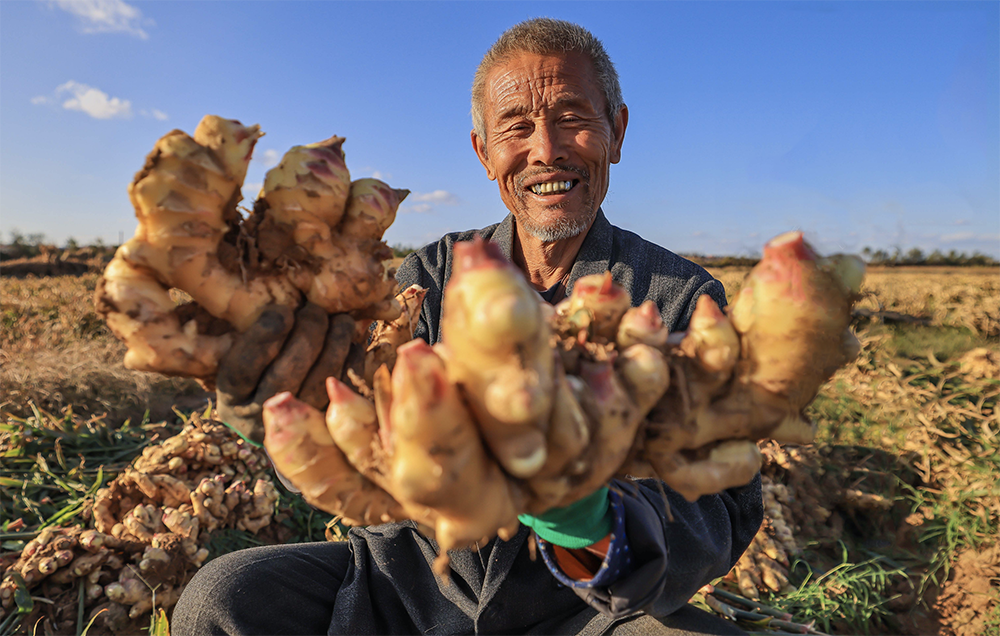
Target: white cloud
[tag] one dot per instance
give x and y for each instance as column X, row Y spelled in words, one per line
column 41, row 99
column 94, row 102
column 962, row 221
column 377, row 174
column 269, row 158
column 420, row 208
column 105, row 16
column 438, row 196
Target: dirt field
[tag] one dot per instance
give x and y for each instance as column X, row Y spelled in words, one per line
column 892, row 513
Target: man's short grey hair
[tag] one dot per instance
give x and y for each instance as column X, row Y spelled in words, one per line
column 544, row 36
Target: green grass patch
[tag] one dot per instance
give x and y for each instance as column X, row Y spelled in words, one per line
column 841, row 419
column 847, row 598
column 944, row 343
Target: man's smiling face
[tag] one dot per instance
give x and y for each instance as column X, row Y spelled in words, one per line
column 549, row 142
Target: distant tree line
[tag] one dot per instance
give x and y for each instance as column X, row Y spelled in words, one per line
column 399, row 251
column 722, row 261
column 880, row 257
column 23, row 245
column 916, row 256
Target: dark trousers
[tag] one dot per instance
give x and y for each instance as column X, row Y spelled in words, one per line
column 290, row 589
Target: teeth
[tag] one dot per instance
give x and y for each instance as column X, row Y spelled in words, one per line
column 551, row 186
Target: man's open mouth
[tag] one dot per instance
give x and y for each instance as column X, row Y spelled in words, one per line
column 553, row 187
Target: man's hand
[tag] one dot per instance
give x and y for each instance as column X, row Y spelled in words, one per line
column 282, row 351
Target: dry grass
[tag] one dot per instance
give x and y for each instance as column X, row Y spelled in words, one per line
column 915, row 395
column 966, row 297
column 55, row 351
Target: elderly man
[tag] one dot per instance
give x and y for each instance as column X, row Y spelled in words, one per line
column 549, row 121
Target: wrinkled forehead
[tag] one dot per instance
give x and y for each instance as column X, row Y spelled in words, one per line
column 530, row 81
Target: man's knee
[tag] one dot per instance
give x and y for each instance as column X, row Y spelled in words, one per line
column 211, row 601
column 687, row 621
column 258, row 590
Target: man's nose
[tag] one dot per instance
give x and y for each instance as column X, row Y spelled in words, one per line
column 547, row 146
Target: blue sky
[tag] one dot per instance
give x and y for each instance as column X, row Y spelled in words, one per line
column 861, row 123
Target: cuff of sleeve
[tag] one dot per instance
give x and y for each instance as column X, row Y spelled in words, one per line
column 576, row 526
column 617, row 562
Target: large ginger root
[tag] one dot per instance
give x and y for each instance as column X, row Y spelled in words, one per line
column 564, row 399
column 416, row 461
column 313, row 234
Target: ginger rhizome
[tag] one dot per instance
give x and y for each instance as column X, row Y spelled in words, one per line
column 523, row 407
column 150, row 528
column 313, row 235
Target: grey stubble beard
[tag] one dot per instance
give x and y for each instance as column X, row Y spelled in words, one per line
column 562, row 229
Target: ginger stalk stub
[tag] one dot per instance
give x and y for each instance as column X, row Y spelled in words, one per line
column 354, row 427
column 495, row 341
column 309, row 187
column 372, row 209
column 596, row 304
column 642, row 325
column 711, row 339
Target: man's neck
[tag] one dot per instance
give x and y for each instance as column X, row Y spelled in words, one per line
column 545, row 264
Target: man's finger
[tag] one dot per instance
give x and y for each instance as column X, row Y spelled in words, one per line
column 241, row 368
column 301, row 349
column 330, row 363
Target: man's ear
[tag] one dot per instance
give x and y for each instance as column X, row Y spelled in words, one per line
column 620, row 124
column 479, row 145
